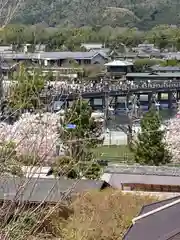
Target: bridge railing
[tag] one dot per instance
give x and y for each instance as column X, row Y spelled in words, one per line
column 113, row 88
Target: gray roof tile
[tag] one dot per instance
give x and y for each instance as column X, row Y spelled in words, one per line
column 155, row 75
column 52, row 55
column 135, row 174
column 37, row 190
column 167, row 68
column 144, row 170
column 116, row 180
column 160, row 225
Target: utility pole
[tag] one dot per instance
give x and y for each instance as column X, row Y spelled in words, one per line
column 132, row 114
column 106, row 106
column 1, row 85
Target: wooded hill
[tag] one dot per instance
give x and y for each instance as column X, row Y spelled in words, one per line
column 143, row 14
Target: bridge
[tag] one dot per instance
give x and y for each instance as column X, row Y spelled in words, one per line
column 152, row 90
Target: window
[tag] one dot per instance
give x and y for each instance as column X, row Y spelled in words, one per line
column 87, row 61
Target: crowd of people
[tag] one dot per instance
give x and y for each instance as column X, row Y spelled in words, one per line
column 105, row 86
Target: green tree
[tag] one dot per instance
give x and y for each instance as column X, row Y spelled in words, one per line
column 80, row 141
column 9, row 161
column 64, row 166
column 150, row 147
column 25, row 94
column 170, row 62
column 141, row 65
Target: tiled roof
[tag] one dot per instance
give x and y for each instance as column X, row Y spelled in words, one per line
column 119, row 63
column 116, row 180
column 153, row 75
column 51, row 55
column 161, row 225
column 39, row 189
column 92, row 45
column 118, row 175
column 144, row 170
column 168, row 68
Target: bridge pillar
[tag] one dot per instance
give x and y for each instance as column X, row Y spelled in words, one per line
column 170, row 99
column 116, row 102
column 150, row 96
column 159, row 97
column 103, row 101
column 178, row 96
column 127, row 100
column 91, row 101
column 67, row 104
column 138, row 96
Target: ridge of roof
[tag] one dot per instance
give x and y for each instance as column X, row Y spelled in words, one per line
column 143, row 207
column 168, row 205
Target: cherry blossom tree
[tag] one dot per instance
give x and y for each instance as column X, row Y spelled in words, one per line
column 173, row 137
column 33, row 134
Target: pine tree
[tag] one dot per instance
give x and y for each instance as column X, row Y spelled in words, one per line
column 26, row 93
column 150, row 147
column 80, row 140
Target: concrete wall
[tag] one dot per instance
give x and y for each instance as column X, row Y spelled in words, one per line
column 115, row 138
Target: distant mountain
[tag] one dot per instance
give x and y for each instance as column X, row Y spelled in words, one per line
column 135, row 13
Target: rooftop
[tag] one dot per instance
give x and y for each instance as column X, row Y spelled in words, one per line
column 119, row 63
column 167, row 68
column 43, row 189
column 115, row 176
column 154, row 75
column 51, row 55
column 89, row 46
column 171, row 55
column 103, row 51
column 158, row 225
column 146, row 45
column 144, row 170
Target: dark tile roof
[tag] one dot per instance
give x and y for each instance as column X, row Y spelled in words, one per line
column 144, row 170
column 158, row 226
column 117, row 180
column 92, row 45
column 39, row 189
column 168, row 68
column 154, row 75
column 117, row 175
column 7, row 66
column 149, row 207
column 52, row 55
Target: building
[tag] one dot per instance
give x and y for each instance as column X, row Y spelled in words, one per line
column 143, row 178
column 7, row 48
column 8, row 68
column 57, row 58
column 56, row 72
column 118, row 66
column 36, row 48
column 49, row 190
column 171, row 56
column 146, row 45
column 157, row 221
column 92, row 46
column 103, row 51
column 167, row 69
column 153, row 76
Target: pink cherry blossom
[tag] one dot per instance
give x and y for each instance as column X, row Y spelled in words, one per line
column 33, row 134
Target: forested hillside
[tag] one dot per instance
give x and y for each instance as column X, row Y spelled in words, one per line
column 139, row 13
